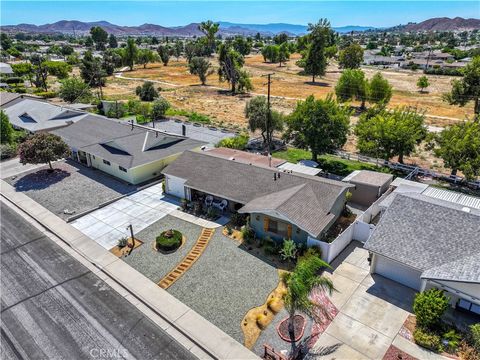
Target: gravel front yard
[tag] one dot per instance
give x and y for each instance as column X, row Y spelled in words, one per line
column 154, row 264
column 71, row 186
column 225, row 283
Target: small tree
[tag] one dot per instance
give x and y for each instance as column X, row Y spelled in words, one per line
column 112, row 41
column 43, row 148
column 423, row 83
column 379, row 91
column 74, row 90
column 351, row 57
column 159, row 108
column 429, row 306
column 147, row 91
column 352, row 85
column 146, row 56
column 299, row 284
column 200, row 66
column 256, row 111
column 6, row 129
column 164, row 53
column 130, row 53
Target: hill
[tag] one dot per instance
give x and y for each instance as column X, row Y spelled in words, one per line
column 442, row 24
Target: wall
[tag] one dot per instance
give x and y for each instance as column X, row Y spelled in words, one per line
column 468, row 291
column 364, row 194
column 151, row 170
column 331, row 250
column 111, row 169
column 298, row 235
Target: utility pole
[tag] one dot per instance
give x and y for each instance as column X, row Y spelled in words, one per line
column 269, row 115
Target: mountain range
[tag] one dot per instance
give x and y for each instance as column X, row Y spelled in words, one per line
column 229, row 29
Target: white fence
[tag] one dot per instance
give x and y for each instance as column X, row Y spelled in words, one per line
column 407, row 168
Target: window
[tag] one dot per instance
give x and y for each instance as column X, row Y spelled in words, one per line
column 106, row 162
column 467, row 305
column 277, row 227
column 122, row 169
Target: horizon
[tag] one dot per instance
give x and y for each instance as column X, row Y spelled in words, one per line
column 181, row 13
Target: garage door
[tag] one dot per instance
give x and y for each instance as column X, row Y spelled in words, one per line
column 176, row 186
column 399, row 273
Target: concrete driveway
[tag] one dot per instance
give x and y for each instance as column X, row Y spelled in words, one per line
column 108, row 224
column 371, row 310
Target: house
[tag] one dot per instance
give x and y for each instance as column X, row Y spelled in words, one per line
column 430, row 238
column 369, row 185
column 35, row 115
column 132, row 153
column 280, row 204
column 6, row 69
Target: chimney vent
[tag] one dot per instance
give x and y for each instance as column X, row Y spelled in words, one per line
column 184, row 130
column 274, row 176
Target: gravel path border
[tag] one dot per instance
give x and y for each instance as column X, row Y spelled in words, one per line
column 153, row 264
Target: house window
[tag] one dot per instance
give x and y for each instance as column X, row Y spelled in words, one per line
column 122, row 169
column 469, row 306
column 277, row 227
column 106, row 162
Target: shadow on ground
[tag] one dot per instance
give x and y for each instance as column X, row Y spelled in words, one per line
column 40, row 179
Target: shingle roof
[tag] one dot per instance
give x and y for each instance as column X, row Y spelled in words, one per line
column 305, row 200
column 431, row 235
column 6, row 97
column 117, row 142
column 372, row 178
column 245, row 157
column 35, row 115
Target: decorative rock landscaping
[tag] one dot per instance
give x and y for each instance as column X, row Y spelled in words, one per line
column 169, row 240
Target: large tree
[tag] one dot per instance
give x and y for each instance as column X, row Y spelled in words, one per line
column 92, row 72
column 146, row 56
column 387, row 133
column 147, row 91
column 468, row 88
column 459, row 147
column 74, row 89
column 316, row 59
column 164, row 53
column 6, row 129
column 130, row 53
column 201, row 67
column 300, row 283
column 209, row 28
column 40, row 71
column 352, row 85
column 259, row 118
column 319, row 125
column 43, row 148
column 99, row 37
column 351, row 57
column 230, row 70
column 112, row 41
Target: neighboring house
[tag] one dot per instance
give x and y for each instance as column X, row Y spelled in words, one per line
column 134, row 154
column 369, row 185
column 281, row 204
column 36, row 115
column 430, row 238
column 6, row 69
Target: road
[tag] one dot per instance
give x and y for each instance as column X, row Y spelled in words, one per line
column 53, row 307
column 13, row 167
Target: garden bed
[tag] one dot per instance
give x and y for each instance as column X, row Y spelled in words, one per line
column 299, row 323
column 169, row 241
column 125, row 250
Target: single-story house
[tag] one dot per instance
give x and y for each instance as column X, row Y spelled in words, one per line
column 129, row 152
column 424, row 241
column 281, row 205
column 35, row 115
column 6, row 69
column 369, row 185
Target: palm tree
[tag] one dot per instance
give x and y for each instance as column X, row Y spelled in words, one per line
column 299, row 285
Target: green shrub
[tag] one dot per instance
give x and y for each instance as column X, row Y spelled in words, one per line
column 427, row 340
column 475, row 336
column 199, row 118
column 122, row 242
column 237, row 142
column 7, row 151
column 429, row 307
column 312, row 251
column 238, row 219
column 248, row 234
column 159, row 108
column 288, row 250
column 46, row 94
column 211, row 212
column 453, row 339
column 169, row 240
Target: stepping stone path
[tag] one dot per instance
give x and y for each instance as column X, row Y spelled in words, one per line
column 188, row 260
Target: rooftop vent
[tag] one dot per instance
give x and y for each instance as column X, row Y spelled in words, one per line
column 466, row 209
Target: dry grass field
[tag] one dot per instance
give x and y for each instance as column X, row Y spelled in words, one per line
column 184, row 91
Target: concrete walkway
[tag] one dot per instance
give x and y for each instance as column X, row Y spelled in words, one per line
column 13, row 167
column 372, row 310
column 185, row 325
column 109, row 224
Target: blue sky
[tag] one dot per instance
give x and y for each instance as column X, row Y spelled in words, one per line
column 174, row 13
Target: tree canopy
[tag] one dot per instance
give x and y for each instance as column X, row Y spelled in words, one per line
column 423, row 83
column 256, row 111
column 209, row 28
column 99, row 37
column 130, row 53
column 43, row 148
column 74, row 89
column 351, row 57
column 379, row 91
column 387, row 133
column 201, row 67
column 147, row 91
column 230, row 70
column 319, row 125
column 316, row 59
column 6, row 129
column 352, row 85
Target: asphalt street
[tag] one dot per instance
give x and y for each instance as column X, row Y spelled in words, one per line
column 53, row 307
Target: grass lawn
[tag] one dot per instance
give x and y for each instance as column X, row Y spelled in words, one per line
column 329, row 163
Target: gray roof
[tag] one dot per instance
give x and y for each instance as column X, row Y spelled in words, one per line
column 5, row 68
column 117, row 142
column 368, row 177
column 36, row 115
column 434, row 236
column 305, row 200
column 6, row 97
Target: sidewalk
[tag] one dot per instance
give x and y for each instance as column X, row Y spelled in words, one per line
column 186, row 325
